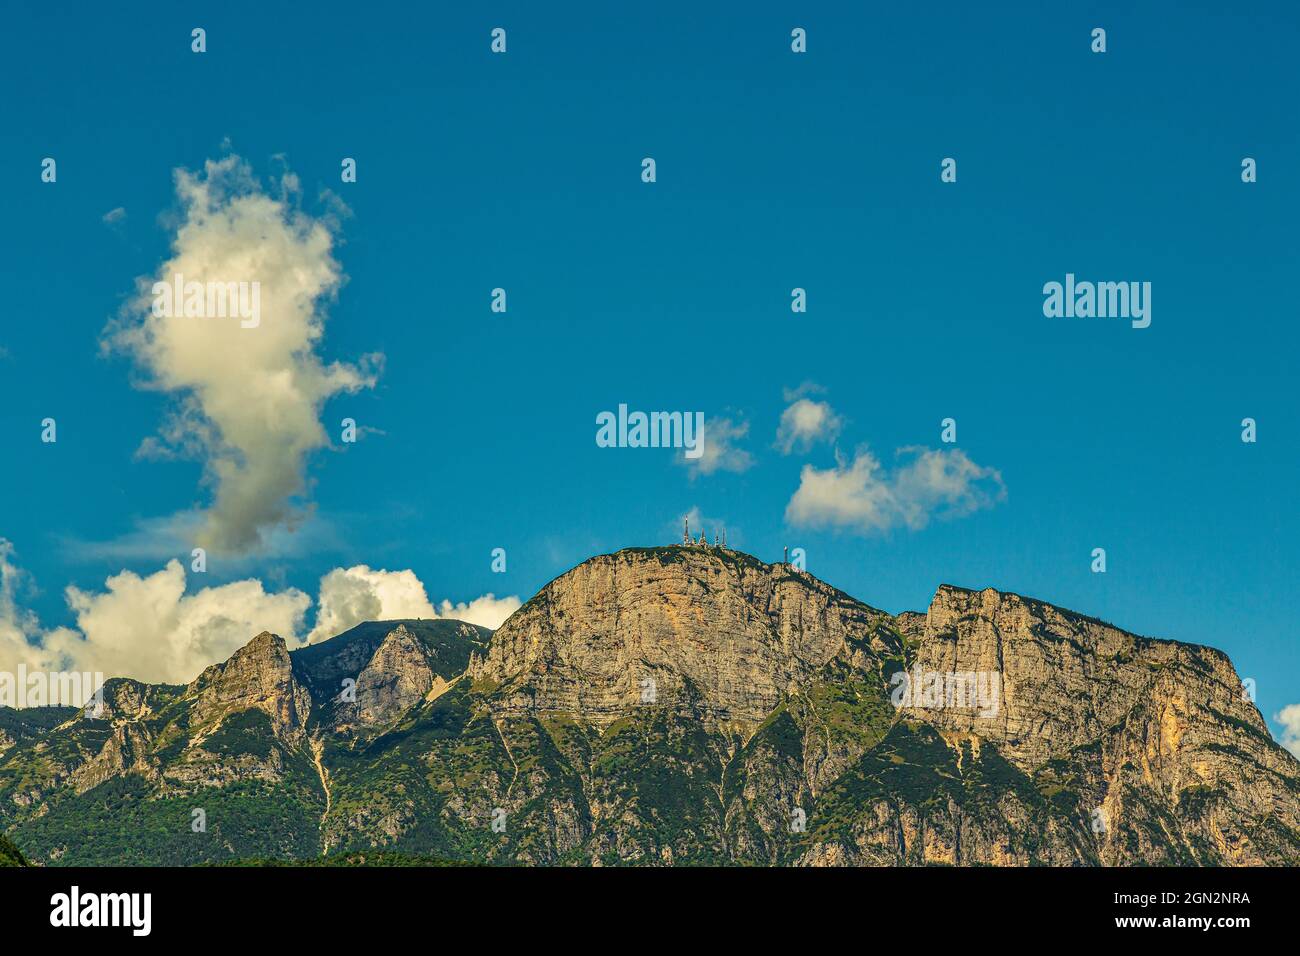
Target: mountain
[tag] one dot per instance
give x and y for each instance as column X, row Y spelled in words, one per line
column 675, row 705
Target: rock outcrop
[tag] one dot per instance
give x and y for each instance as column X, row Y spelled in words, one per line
column 398, row 676
column 258, row 677
column 122, row 698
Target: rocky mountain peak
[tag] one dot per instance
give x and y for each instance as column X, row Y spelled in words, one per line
column 258, row 676
column 123, row 698
column 398, row 676
column 709, row 628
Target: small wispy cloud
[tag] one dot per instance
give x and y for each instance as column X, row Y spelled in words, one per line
column 700, row 523
column 806, row 421
column 158, row 539
column 721, row 451
column 113, row 216
column 804, row 388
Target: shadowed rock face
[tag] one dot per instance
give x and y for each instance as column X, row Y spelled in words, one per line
column 682, row 704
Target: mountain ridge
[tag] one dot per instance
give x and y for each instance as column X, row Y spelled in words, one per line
column 681, row 704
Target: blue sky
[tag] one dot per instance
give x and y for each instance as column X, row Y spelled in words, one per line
column 774, row 171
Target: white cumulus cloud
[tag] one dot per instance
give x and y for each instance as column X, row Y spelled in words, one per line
column 864, row 497
column 15, row 622
column 1289, row 718
column 486, row 611
column 149, row 628
column 349, row 596
column 248, row 399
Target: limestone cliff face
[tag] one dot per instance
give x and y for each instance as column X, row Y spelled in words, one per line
column 258, row 677
column 662, row 625
column 397, row 677
column 1067, row 680
column 1171, row 760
